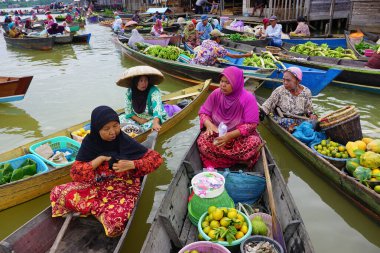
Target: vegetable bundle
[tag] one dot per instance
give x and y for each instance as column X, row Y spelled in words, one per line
column 363, row 46
column 168, row 52
column 9, row 174
column 312, row 49
column 266, row 60
column 239, row 37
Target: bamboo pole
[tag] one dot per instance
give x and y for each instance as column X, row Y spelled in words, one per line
column 332, row 9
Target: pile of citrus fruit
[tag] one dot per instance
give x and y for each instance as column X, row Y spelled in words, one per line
column 224, row 224
column 81, row 132
column 331, row 149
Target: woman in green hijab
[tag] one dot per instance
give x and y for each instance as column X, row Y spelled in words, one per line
column 191, row 36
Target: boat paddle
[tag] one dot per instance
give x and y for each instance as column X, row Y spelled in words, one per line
column 276, row 226
column 61, row 233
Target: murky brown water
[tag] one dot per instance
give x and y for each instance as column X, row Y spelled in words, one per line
column 73, row 79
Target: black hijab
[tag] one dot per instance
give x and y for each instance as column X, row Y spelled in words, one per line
column 139, row 97
column 122, row 148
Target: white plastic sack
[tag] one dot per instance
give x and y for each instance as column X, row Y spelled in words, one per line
column 135, row 37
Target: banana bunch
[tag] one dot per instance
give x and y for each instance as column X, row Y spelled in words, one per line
column 266, row 61
column 168, row 52
column 312, row 49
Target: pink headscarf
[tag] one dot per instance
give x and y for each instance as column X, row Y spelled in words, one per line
column 158, row 26
column 238, row 108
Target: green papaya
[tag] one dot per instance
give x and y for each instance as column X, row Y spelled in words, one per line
column 17, row 175
column 352, row 164
column 362, row 173
column 29, row 170
column 370, row 159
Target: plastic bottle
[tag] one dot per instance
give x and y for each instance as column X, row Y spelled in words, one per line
column 222, row 129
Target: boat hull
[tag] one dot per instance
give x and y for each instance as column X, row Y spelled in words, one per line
column 367, row 199
column 31, row 43
column 67, row 39
column 186, row 71
column 20, row 191
column 14, row 89
column 82, row 38
column 171, row 229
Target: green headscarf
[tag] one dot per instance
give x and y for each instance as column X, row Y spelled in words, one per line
column 187, row 32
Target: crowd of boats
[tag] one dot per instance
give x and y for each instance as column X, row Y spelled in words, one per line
column 171, row 228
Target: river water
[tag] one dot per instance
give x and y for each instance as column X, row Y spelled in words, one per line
column 71, row 80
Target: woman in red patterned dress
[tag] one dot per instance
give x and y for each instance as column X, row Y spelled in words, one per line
column 106, row 174
column 237, row 109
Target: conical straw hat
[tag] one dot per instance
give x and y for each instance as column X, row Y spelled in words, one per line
column 155, row 76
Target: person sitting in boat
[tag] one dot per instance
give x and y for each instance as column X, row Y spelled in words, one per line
column 136, row 17
column 236, row 108
column 106, row 174
column 274, row 32
column 190, row 35
column 157, row 29
column 117, row 24
column 209, row 51
column 14, row 32
column 143, row 103
column 204, row 28
column 34, row 17
column 158, row 16
column 302, row 28
column 291, row 98
column 56, row 29
column 260, row 31
column 69, row 19
column 374, row 60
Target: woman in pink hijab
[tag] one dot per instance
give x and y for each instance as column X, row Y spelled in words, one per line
column 157, row 29
column 236, row 108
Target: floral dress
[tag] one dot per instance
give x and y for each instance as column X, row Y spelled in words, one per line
column 288, row 103
column 101, row 192
column 153, row 109
column 243, row 149
column 208, row 52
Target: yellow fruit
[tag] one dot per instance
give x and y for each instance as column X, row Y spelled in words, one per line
column 377, row 188
column 375, row 172
column 367, row 140
column 206, row 218
column 214, row 224
column 232, row 214
column 225, row 222
column 341, row 148
column 224, row 209
column 210, row 218
column 351, row 147
column 361, row 145
column 374, row 146
column 373, row 179
column 88, row 131
column 239, row 235
column 82, row 130
column 205, row 224
column 200, row 237
column 221, row 239
column 238, row 224
column 211, row 209
column 212, row 234
column 207, row 230
column 240, row 217
column 217, row 214
column 244, row 229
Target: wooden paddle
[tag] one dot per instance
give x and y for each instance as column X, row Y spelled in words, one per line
column 276, row 226
column 61, row 233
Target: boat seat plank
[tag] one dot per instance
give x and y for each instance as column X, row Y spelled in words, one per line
column 174, row 210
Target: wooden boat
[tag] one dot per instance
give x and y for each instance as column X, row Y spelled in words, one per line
column 171, row 229
column 173, row 39
column 354, row 74
column 315, row 79
column 332, row 42
column 366, row 198
column 62, row 39
column 30, row 43
column 13, row 88
column 83, row 234
column 351, row 45
column 185, row 71
column 82, row 38
column 20, row 191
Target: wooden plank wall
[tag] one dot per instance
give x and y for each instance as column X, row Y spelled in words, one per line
column 365, row 14
column 320, row 9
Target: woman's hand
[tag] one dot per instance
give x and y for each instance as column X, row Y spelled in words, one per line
column 211, row 129
column 156, row 126
column 222, row 141
column 104, row 158
column 123, row 165
column 142, row 121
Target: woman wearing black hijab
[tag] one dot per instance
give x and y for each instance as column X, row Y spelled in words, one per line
column 106, row 174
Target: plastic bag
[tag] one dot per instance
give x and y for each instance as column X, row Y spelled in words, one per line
column 135, row 37
column 222, row 129
column 305, row 133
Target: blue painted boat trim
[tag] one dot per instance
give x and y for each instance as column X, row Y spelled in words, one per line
column 332, row 42
column 11, row 98
column 360, row 87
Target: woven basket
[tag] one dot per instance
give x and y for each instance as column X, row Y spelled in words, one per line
column 345, row 131
column 337, row 116
column 273, row 50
